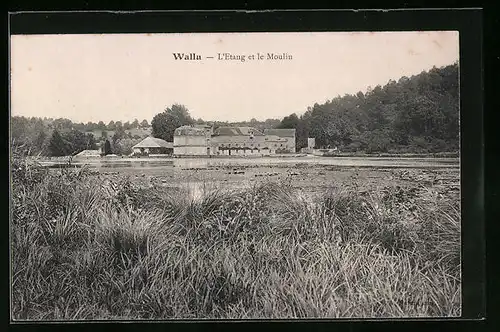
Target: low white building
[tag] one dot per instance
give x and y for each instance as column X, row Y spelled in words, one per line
column 153, row 145
column 89, row 154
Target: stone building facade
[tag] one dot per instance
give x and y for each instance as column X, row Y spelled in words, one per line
column 285, row 134
column 191, row 141
column 230, row 141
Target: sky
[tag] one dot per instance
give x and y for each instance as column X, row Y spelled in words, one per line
column 122, row 77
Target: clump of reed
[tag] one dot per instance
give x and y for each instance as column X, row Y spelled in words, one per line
column 84, row 247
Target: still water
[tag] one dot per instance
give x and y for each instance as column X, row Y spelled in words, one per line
column 203, row 163
column 175, row 171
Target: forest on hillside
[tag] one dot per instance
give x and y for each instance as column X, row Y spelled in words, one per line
column 417, row 114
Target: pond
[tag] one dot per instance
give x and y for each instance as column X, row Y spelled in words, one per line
column 204, row 163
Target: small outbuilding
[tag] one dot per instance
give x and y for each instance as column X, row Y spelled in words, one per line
column 89, row 154
column 153, row 145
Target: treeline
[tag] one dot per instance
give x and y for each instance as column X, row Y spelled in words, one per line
column 418, row 114
column 62, row 137
column 63, row 124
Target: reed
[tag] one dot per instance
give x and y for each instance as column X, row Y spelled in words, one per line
column 83, row 248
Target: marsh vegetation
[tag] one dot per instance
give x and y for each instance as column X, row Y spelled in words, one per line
column 95, row 246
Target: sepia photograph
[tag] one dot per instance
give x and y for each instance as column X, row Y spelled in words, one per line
column 256, row 175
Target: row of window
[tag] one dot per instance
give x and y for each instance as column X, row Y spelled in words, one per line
column 251, row 151
column 236, row 144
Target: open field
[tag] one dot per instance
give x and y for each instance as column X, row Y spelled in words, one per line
column 235, row 240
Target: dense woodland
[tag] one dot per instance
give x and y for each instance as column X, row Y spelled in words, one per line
column 417, row 114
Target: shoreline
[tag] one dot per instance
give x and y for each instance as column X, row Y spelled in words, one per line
column 384, row 156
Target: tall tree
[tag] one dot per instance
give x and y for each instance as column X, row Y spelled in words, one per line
column 165, row 123
column 30, row 134
column 107, row 148
column 119, row 134
column 91, row 142
column 40, row 141
column 57, row 145
column 77, row 141
column 18, row 129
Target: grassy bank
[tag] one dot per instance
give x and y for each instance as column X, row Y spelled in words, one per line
column 94, row 247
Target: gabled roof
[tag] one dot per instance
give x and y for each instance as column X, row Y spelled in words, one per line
column 280, row 132
column 87, row 153
column 237, row 131
column 153, row 142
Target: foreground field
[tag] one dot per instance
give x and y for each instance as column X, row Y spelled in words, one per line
column 115, row 246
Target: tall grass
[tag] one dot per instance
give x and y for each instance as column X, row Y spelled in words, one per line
column 91, row 247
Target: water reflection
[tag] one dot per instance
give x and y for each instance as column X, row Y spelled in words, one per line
column 191, row 163
column 141, row 163
column 203, row 163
